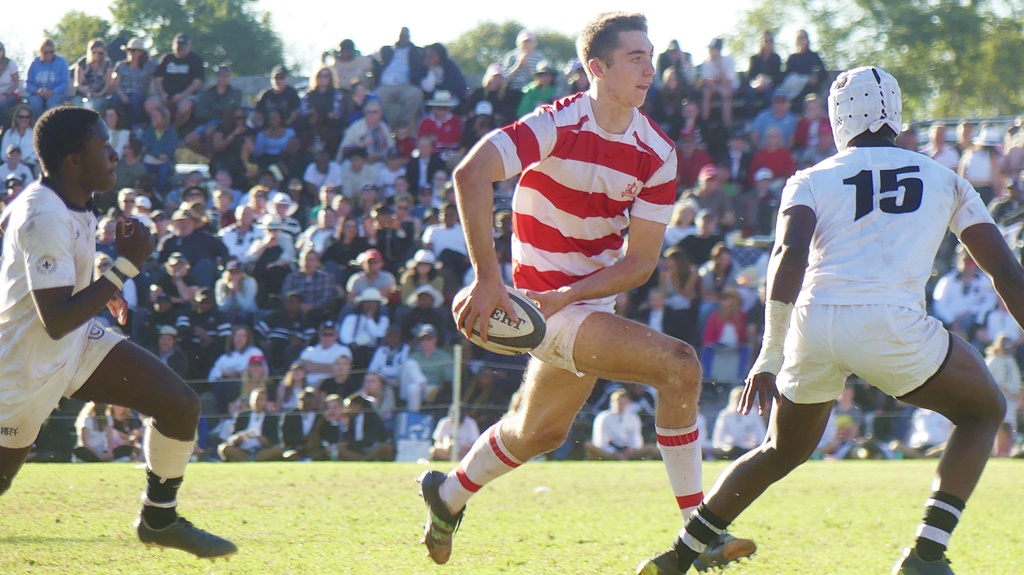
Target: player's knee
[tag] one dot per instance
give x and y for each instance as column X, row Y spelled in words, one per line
column 548, row 438
column 683, row 371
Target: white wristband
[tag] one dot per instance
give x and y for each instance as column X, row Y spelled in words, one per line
column 112, row 278
column 125, row 266
column 777, row 316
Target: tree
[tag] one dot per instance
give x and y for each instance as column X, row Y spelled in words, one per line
column 488, row 43
column 74, row 31
column 952, row 58
column 220, row 30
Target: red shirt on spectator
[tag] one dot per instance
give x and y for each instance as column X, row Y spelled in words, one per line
column 446, row 130
column 689, row 168
column 779, row 161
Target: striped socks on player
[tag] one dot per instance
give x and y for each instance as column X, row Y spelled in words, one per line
column 699, row 532
column 680, row 450
column 941, row 514
column 486, row 461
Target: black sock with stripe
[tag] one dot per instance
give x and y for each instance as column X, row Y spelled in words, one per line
column 703, row 528
column 941, row 514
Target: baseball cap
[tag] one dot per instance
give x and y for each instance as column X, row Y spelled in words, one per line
column 426, row 330
column 687, row 133
column 763, row 174
column 483, row 108
column 224, row 70
column 715, row 43
column 177, row 257
column 182, row 39
column 232, row 266
column 168, row 330
column 328, row 324
column 13, row 148
column 393, row 154
column 525, row 35
column 257, row 358
column 347, row 44
column 708, row 171
column 279, row 70
column 370, row 254
column 143, row 202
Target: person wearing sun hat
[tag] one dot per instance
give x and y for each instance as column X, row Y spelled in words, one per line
column 980, row 164
column 422, row 268
column 444, row 126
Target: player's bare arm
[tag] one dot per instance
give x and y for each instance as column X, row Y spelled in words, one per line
column 785, row 277
column 989, row 250
column 643, row 246
column 61, row 312
column 474, row 193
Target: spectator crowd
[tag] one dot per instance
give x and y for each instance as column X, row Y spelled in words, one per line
column 308, row 253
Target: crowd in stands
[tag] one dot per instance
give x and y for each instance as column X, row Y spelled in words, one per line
column 305, row 268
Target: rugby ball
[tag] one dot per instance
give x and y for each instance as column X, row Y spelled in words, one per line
column 505, row 336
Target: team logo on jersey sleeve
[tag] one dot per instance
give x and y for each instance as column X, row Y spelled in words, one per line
column 46, row 265
column 631, row 191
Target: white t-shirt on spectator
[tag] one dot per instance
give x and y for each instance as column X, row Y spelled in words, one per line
column 331, row 178
column 440, row 238
column 323, row 356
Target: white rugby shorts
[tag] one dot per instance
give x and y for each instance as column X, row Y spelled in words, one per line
column 21, row 419
column 895, row 349
column 560, row 334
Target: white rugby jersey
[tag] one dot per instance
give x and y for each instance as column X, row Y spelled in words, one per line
column 46, row 244
column 579, row 187
column 882, row 213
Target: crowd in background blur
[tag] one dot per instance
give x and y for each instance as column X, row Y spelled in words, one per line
column 309, row 246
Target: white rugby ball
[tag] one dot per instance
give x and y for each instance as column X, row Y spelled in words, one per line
column 505, row 336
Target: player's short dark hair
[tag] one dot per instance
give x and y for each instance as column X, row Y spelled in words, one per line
column 62, row 131
column 600, row 37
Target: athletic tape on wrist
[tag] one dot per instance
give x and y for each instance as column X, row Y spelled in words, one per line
column 777, row 316
column 125, row 266
column 112, row 278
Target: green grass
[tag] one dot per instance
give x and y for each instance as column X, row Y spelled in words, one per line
column 846, row 518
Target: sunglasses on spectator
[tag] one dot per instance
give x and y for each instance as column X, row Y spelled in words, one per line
column 47, row 52
column 24, row 116
column 100, row 52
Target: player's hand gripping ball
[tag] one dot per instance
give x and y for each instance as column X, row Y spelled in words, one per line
column 509, row 337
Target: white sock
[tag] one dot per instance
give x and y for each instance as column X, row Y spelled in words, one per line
column 166, row 457
column 486, row 461
column 680, row 450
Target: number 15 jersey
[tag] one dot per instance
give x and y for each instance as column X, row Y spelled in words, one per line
column 881, row 214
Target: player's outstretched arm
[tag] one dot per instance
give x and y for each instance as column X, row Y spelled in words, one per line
column 61, row 312
column 786, row 269
column 989, row 250
column 474, row 193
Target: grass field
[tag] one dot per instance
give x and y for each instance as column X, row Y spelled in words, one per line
column 847, row 518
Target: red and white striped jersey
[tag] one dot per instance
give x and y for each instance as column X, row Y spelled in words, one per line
column 579, row 187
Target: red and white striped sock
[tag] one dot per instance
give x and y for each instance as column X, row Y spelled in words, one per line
column 680, row 450
column 486, row 461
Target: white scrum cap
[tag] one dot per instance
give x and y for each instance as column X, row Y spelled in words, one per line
column 864, row 99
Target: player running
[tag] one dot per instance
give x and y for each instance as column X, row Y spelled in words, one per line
column 592, row 165
column 854, row 246
column 50, row 345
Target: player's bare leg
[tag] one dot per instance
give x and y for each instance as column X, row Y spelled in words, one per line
column 550, row 399
column 134, row 378
column 965, row 393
